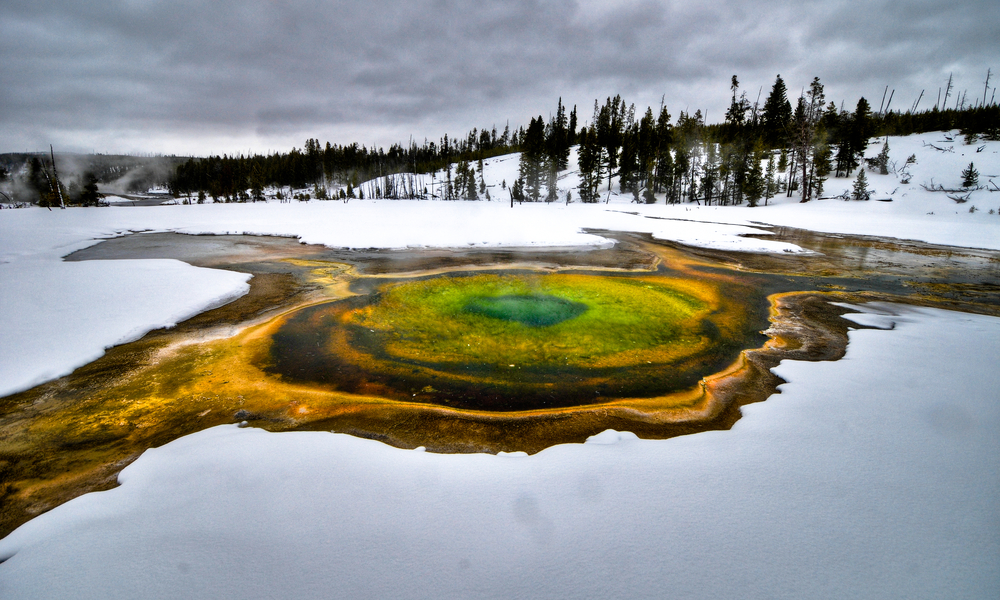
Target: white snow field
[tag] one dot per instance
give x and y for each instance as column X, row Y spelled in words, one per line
column 870, row 477
column 60, row 316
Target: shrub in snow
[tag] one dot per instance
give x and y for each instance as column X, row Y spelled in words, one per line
column 970, row 177
column 882, row 160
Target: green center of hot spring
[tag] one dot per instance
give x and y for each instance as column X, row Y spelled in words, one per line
column 535, row 310
column 535, row 320
column 513, row 341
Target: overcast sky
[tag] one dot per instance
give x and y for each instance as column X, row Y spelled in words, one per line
column 199, row 77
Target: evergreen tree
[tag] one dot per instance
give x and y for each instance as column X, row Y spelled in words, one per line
column 482, row 179
column 860, row 191
column 770, row 187
column 822, row 154
column 610, row 121
column 257, row 185
column 882, row 160
column 557, row 140
column 970, row 176
column 89, row 195
column 38, row 182
column 517, row 190
column 532, row 156
column 628, row 167
column 589, row 163
column 861, row 128
column 754, row 184
column 845, row 161
column 571, row 133
column 777, row 115
column 646, row 149
column 710, row 173
column 663, row 159
column 551, row 177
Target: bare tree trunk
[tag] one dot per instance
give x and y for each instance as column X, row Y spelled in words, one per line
column 55, row 175
column 986, row 88
column 791, row 174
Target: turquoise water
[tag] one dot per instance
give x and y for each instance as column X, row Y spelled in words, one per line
column 535, row 310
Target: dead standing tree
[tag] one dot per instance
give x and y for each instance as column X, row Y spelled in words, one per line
column 807, row 114
column 55, row 176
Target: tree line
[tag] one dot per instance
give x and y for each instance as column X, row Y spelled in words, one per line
column 740, row 159
column 242, row 178
column 760, row 149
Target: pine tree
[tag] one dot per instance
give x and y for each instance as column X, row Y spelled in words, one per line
column 557, row 140
column 628, row 167
column 551, row 177
column 710, row 173
column 532, row 155
column 777, row 115
column 882, row 160
column 89, row 195
column 822, row 154
column 571, row 132
column 482, row 177
column 860, row 191
column 517, row 190
column 754, row 185
column 861, row 128
column 589, row 162
column 970, row 176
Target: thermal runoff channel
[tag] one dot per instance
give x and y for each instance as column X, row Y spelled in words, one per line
column 514, row 341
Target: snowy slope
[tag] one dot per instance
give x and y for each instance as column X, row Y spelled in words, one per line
column 869, row 477
column 897, row 209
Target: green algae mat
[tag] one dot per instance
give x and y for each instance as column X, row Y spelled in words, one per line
column 512, row 341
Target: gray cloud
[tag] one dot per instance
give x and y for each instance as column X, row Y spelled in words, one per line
column 189, row 76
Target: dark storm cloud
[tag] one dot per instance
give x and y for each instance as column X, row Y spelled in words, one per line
column 198, row 76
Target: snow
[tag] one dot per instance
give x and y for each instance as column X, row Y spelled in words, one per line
column 873, row 476
column 869, row 477
column 64, row 315
column 57, row 316
column 913, row 212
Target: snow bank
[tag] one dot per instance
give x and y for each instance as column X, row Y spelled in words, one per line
column 59, row 316
column 870, row 477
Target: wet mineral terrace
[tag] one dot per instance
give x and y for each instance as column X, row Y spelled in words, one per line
column 463, row 350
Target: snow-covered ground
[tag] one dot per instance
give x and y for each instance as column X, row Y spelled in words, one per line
column 870, row 477
column 873, row 476
column 60, row 316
